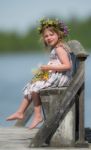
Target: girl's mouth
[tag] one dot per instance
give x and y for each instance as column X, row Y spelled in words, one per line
column 50, row 41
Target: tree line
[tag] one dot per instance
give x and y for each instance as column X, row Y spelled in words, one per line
column 14, row 42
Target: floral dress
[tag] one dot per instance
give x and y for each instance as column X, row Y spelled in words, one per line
column 56, row 79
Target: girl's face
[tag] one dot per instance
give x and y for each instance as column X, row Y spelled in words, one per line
column 50, row 38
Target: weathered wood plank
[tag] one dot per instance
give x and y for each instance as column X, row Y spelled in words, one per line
column 13, row 137
column 53, row 91
column 77, row 48
column 52, row 123
column 81, row 115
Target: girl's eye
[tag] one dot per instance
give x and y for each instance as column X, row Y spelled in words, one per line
column 51, row 34
column 45, row 36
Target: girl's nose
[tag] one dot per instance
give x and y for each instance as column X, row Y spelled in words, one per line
column 49, row 37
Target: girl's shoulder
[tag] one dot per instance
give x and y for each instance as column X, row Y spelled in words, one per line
column 63, row 49
column 63, row 46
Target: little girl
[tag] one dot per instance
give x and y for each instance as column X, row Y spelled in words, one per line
column 59, row 69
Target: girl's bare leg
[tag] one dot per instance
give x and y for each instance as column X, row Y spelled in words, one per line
column 37, row 110
column 19, row 114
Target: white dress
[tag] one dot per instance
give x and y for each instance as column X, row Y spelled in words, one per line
column 56, row 79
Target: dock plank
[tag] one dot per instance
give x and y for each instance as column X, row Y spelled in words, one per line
column 17, row 138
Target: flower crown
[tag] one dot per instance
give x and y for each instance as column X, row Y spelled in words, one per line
column 59, row 25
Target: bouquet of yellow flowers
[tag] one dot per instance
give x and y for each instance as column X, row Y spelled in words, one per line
column 40, row 75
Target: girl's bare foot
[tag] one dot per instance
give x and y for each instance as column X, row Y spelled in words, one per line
column 35, row 122
column 15, row 116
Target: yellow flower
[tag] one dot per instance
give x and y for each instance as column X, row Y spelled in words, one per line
column 40, row 75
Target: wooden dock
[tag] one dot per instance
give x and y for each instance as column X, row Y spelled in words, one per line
column 19, row 138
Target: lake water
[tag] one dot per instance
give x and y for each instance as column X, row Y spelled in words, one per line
column 16, row 71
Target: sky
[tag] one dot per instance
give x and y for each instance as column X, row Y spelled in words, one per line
column 19, row 15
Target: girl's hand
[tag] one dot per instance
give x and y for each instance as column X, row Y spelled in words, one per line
column 44, row 68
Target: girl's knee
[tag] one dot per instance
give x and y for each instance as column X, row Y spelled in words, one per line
column 27, row 97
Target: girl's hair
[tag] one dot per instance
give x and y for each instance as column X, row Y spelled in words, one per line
column 55, row 26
